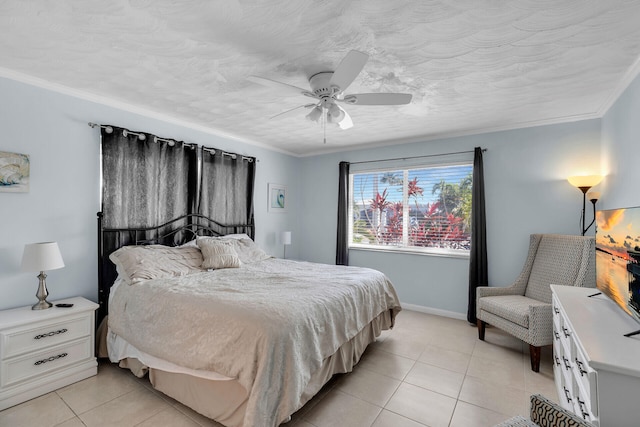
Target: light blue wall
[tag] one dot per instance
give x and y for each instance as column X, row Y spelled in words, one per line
column 526, row 192
column 621, row 150
column 64, row 195
column 525, row 173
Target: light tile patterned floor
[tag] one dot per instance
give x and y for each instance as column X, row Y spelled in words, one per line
column 429, row 371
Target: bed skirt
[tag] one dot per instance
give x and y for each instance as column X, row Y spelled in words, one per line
column 225, row 400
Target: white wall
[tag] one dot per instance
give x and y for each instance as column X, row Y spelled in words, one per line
column 64, row 187
column 526, row 192
column 621, row 150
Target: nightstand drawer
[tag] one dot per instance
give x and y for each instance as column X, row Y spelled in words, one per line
column 42, row 335
column 17, row 369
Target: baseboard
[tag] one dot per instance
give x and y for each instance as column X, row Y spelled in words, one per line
column 435, row 311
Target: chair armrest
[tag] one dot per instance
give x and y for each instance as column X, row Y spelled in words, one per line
column 540, row 324
column 486, row 291
column 545, row 413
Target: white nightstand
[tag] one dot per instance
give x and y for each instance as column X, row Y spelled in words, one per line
column 43, row 350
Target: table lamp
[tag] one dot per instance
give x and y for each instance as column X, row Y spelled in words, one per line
column 41, row 257
column 285, row 239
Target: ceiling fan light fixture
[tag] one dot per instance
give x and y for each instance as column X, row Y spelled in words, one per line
column 315, row 114
column 336, row 114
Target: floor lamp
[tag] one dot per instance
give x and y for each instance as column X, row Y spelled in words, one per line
column 584, row 183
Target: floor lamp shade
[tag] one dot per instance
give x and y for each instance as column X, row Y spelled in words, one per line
column 285, row 240
column 41, row 257
column 285, row 237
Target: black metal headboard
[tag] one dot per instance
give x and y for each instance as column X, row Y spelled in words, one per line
column 172, row 233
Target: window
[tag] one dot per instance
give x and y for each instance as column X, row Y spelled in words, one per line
column 422, row 209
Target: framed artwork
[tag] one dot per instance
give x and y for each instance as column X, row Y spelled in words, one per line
column 14, row 172
column 277, row 198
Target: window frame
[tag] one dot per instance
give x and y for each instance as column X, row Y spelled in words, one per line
column 402, row 248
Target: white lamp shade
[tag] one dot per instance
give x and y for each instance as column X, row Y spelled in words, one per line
column 41, row 257
column 285, row 237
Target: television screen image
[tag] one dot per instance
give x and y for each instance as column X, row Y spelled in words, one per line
column 618, row 257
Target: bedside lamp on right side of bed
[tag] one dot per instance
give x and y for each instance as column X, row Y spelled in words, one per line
column 285, row 240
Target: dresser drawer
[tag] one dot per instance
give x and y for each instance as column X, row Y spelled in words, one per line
column 36, row 336
column 21, row 368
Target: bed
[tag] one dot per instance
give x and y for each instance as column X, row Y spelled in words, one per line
column 240, row 337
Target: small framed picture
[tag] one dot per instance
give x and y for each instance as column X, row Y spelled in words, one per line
column 14, row 172
column 277, row 198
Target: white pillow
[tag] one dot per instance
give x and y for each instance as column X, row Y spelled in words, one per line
column 136, row 263
column 218, row 253
column 236, row 236
column 249, row 252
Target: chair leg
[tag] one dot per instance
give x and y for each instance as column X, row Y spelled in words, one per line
column 535, row 357
column 481, row 326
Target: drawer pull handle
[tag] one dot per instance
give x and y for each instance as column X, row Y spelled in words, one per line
column 567, row 366
column 585, row 415
column 557, row 360
column 566, row 394
column 566, row 332
column 556, row 335
column 580, row 365
column 51, row 359
column 50, row 334
column 555, row 309
column 581, row 403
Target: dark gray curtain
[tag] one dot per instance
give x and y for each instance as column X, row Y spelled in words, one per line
column 342, row 244
column 226, row 188
column 145, row 183
column 478, row 273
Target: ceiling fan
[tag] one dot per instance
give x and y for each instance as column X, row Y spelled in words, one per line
column 327, row 88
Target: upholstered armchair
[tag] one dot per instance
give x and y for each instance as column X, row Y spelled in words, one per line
column 524, row 308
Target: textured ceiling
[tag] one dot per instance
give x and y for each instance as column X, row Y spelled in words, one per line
column 472, row 65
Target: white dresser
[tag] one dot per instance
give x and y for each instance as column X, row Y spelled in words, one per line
column 596, row 368
column 43, row 350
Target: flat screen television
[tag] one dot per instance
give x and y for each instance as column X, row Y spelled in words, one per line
column 618, row 257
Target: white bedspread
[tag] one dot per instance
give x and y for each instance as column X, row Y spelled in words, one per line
column 269, row 324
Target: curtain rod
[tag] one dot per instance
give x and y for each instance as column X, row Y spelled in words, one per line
column 415, row 157
column 141, row 136
column 234, row 156
column 170, row 142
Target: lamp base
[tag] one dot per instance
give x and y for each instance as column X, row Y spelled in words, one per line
column 41, row 305
column 42, row 294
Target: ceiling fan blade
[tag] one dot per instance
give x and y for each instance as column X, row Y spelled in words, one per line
column 280, row 86
column 292, row 110
column 378, row 98
column 348, row 69
column 345, row 123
